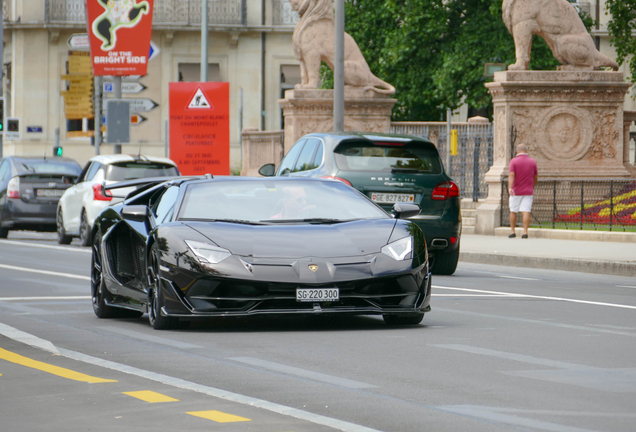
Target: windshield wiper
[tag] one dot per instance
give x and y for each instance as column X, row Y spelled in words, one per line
column 307, row 220
column 30, row 168
column 238, row 221
column 407, row 170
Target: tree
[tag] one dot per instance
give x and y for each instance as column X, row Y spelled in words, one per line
column 621, row 29
column 434, row 51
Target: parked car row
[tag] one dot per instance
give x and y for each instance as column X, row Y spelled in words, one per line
column 56, row 194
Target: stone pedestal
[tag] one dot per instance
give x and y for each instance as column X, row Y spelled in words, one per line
column 306, row 111
column 571, row 122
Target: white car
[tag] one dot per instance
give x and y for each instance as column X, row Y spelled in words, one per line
column 82, row 202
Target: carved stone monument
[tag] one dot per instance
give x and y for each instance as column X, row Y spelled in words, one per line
column 307, row 109
column 571, row 120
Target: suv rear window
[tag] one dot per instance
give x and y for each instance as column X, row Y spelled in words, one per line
column 47, row 167
column 381, row 157
column 134, row 170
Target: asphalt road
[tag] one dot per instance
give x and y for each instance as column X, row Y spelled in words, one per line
column 504, row 349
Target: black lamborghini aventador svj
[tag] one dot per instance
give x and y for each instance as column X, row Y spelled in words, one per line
column 197, row 247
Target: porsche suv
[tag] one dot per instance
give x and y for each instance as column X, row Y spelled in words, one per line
column 388, row 169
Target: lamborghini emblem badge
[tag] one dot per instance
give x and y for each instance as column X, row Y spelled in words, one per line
column 313, row 268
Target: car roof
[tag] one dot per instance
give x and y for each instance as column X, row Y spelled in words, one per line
column 337, row 137
column 110, row 159
column 41, row 158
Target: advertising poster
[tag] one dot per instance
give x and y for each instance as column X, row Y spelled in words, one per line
column 119, row 34
column 200, row 127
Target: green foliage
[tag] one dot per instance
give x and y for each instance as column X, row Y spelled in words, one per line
column 434, row 51
column 621, row 28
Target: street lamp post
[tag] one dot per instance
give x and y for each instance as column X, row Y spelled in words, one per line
column 338, row 73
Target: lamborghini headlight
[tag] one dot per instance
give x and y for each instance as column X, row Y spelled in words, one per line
column 400, row 249
column 205, row 252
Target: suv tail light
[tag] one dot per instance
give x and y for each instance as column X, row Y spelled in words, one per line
column 99, row 196
column 446, row 190
column 13, row 188
column 337, row 178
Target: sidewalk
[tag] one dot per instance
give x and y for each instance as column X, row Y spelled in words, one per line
column 592, row 252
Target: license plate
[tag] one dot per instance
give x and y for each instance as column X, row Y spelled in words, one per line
column 317, row 294
column 392, row 198
column 49, row 192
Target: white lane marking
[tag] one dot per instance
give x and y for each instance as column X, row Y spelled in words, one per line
column 290, row 370
column 625, row 286
column 518, row 277
column 189, row 385
column 28, row 339
column 469, row 295
column 45, row 246
column 491, row 415
column 46, row 272
column 44, row 298
column 148, row 338
column 539, row 297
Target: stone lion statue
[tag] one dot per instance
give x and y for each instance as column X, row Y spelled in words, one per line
column 313, row 41
column 559, row 24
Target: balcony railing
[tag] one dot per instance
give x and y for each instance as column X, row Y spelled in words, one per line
column 182, row 13
column 282, row 14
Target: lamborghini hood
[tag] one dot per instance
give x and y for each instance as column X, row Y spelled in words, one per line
column 302, row 240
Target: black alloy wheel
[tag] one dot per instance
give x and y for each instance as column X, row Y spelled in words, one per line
column 101, row 309
column 85, row 230
column 404, row 320
column 155, row 297
column 62, row 237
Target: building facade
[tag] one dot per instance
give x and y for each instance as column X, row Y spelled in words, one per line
column 249, row 46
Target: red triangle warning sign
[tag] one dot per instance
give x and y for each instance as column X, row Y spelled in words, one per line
column 200, row 101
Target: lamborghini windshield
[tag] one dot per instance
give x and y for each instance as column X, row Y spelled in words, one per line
column 276, row 201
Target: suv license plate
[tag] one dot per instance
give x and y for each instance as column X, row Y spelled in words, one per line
column 391, row 198
column 317, row 294
column 49, row 192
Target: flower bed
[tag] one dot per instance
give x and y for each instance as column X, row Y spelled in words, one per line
column 622, row 206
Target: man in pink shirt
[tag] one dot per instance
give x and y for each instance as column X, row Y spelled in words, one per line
column 521, row 182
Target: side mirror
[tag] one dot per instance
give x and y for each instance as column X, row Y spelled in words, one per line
column 137, row 213
column 405, row 210
column 267, row 170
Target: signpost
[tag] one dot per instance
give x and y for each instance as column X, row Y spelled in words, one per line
column 200, row 127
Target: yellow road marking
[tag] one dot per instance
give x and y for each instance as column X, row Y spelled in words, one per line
column 150, row 396
column 45, row 367
column 218, row 416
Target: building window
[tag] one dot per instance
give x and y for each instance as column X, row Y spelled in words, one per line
column 192, row 72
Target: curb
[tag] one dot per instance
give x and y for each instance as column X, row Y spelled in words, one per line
column 584, row 235
column 563, row 264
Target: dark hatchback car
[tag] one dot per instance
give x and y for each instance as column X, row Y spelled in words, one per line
column 30, row 188
column 388, row 169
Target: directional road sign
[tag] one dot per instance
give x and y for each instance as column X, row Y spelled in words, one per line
column 142, row 105
column 126, row 87
column 78, row 41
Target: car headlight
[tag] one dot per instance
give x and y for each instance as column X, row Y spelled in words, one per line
column 208, row 253
column 400, row 249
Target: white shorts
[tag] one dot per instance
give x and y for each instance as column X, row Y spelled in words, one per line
column 521, row 203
